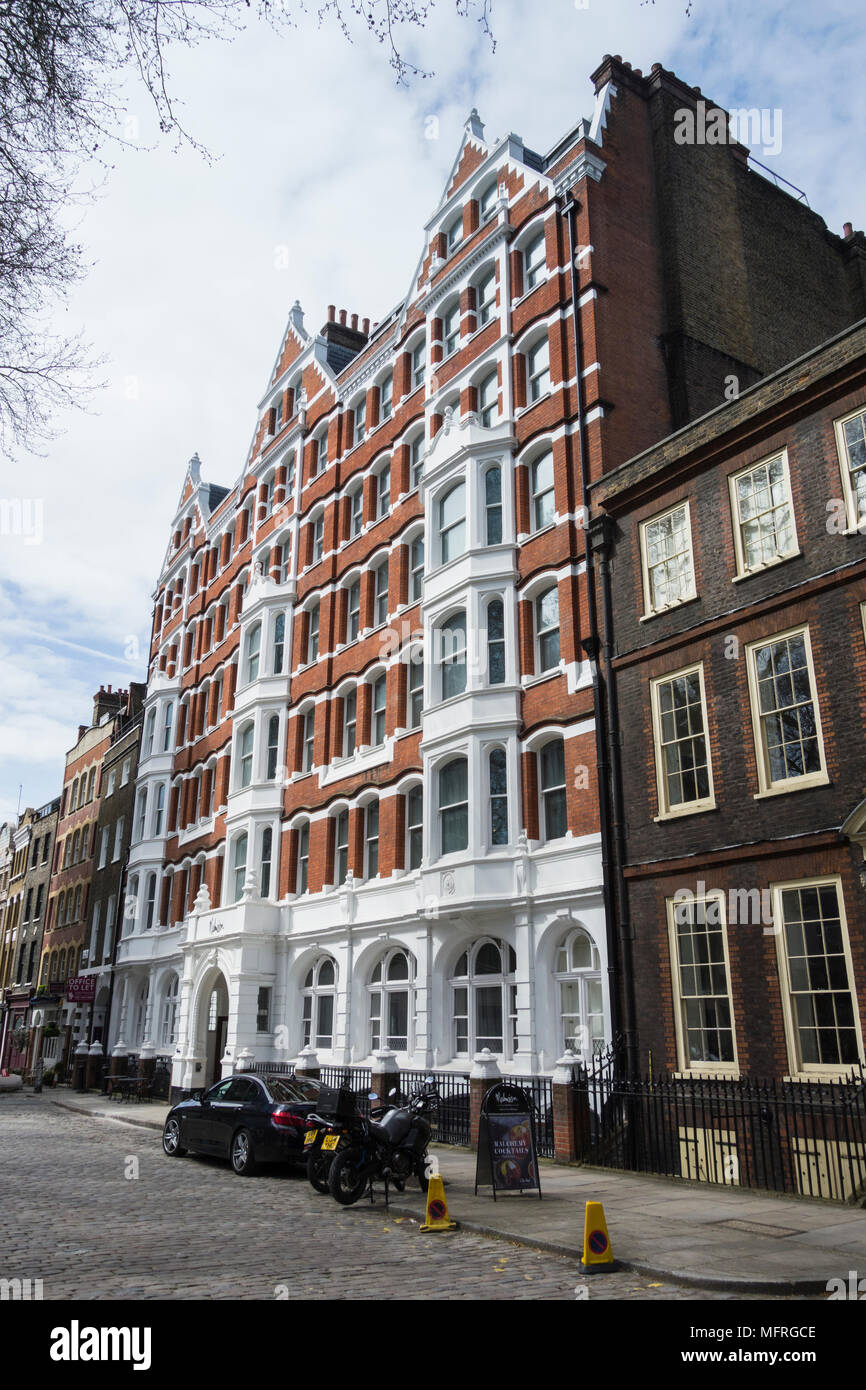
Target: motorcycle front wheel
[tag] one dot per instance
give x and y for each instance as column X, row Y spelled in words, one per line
column 318, row 1168
column 347, row 1181
column 421, row 1173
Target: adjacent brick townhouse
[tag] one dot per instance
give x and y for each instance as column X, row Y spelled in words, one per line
column 33, row 843
column 734, row 558
column 368, row 806
column 85, row 842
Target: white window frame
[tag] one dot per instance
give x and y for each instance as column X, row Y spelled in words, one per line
column 744, row 570
column 537, row 358
column 649, row 610
column 811, row 1070
column 767, row 787
column 667, row 810
column 685, row 1064
column 855, row 523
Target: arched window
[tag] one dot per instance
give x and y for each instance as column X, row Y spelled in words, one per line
column 168, row 1013
column 380, row 594
column 377, row 712
column 415, row 689
column 149, row 901
column 554, row 817
column 454, row 806
column 541, row 476
column 498, row 797
column 273, row 747
column 493, row 505
column 485, row 297
column 279, row 643
column 239, row 867
column 319, row 992
column 308, row 739
column 581, row 1006
column 245, row 752
column 547, row 630
column 313, row 633
column 451, row 328
column 487, row 201
column 452, row 660
column 166, row 727
column 392, row 1002
column 265, row 862
column 91, row 781
column 488, row 400
column 484, row 999
column 452, row 523
column 303, row 869
column 537, row 370
column 414, row 827
column 371, row 839
column 141, row 1012
column 350, row 722
column 254, row 642
column 534, row 259
column 341, row 847
column 130, row 907
column 416, row 570
column 383, row 491
column 353, row 611
column 495, row 642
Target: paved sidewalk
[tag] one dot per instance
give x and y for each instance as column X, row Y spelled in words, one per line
column 721, row 1238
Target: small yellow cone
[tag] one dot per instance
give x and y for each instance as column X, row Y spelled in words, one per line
column 437, row 1208
column 597, row 1254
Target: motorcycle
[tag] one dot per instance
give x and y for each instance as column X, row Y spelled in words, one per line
column 329, row 1131
column 393, row 1149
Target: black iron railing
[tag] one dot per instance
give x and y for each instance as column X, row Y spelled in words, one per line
column 540, row 1092
column 806, row 1137
column 452, row 1124
column 359, row 1079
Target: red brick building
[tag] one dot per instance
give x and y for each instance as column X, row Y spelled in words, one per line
column 80, row 850
column 368, row 804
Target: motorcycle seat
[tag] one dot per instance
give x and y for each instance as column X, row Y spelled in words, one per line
column 379, row 1132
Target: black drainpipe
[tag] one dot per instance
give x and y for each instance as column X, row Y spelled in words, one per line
column 618, row 926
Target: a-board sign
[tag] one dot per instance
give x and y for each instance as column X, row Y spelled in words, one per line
column 507, row 1158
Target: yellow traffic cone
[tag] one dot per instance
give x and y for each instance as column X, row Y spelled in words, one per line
column 437, row 1208
column 597, row 1254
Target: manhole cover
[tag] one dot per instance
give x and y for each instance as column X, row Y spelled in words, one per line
column 757, row 1228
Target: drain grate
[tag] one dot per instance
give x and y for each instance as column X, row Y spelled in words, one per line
column 757, row 1228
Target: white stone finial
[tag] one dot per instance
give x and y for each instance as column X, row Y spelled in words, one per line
column 202, row 899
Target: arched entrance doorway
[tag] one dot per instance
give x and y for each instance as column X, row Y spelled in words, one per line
column 215, row 1004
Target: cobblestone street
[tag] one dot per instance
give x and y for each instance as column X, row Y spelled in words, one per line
column 72, row 1215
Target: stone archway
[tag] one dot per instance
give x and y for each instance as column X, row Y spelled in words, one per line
column 213, row 1025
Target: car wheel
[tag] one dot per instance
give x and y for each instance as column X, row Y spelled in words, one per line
column 347, row 1182
column 171, row 1145
column 243, row 1160
column 318, row 1168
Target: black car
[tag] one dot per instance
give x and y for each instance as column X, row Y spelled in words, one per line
column 249, row 1119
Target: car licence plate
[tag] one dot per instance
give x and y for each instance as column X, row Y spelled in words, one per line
column 310, row 1137
column 330, row 1141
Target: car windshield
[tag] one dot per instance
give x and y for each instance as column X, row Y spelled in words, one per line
column 292, row 1090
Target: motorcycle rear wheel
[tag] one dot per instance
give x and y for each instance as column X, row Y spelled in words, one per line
column 347, row 1182
column 318, row 1168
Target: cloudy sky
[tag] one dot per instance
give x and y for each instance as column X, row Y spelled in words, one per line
column 322, row 179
